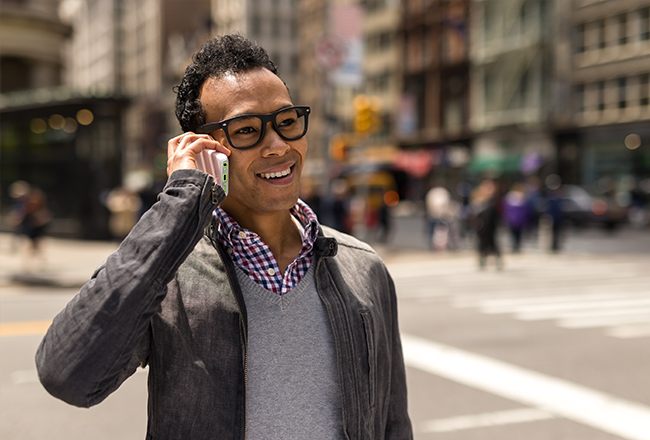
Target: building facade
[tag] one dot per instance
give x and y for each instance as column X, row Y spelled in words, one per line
column 136, row 49
column 512, row 96
column 31, row 41
column 602, row 130
column 433, row 122
column 382, row 74
column 58, row 139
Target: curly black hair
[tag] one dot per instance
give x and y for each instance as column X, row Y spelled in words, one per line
column 221, row 55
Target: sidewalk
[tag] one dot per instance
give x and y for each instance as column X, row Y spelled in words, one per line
column 65, row 263
column 70, row 263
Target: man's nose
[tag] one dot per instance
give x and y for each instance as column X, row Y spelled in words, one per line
column 273, row 144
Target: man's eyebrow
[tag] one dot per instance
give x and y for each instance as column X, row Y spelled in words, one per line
column 254, row 114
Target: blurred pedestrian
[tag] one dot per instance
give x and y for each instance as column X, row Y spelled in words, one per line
column 438, row 207
column 516, row 214
column 486, row 221
column 385, row 223
column 18, row 192
column 555, row 215
column 341, row 220
column 638, row 209
column 32, row 216
column 124, row 206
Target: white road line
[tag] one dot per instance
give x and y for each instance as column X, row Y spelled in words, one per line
column 606, row 321
column 586, row 312
column 541, row 294
column 629, row 331
column 599, row 410
column 498, row 418
column 504, row 305
column 567, row 306
column 20, row 377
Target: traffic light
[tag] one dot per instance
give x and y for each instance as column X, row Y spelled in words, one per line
column 367, row 114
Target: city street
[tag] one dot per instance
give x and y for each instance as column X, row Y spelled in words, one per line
column 554, row 346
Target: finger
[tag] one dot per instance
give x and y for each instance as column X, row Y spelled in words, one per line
column 182, row 150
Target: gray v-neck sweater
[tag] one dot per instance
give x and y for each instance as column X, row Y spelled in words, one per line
column 292, row 389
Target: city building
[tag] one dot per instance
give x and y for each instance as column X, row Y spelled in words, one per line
column 58, row 139
column 512, row 86
column 432, row 125
column 114, row 61
column 272, row 23
column 136, row 49
column 602, row 129
column 382, row 75
column 31, row 38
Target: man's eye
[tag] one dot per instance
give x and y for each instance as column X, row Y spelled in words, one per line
column 246, row 130
column 287, row 122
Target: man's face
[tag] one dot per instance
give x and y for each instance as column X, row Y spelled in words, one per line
column 252, row 191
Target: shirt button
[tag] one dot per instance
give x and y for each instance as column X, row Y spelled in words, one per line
column 229, row 250
column 242, row 234
column 270, row 271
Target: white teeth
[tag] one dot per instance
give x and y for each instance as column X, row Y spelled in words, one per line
column 276, row 175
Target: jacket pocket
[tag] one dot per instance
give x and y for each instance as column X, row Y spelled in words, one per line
column 368, row 326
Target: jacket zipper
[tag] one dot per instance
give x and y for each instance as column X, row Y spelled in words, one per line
column 241, row 318
column 347, row 331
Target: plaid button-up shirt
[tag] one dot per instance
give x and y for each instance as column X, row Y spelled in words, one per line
column 254, row 257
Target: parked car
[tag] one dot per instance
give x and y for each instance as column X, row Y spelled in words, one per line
column 581, row 208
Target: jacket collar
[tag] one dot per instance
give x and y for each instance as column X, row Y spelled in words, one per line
column 323, row 246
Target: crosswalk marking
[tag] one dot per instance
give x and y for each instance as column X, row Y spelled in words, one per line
column 626, row 419
column 574, row 293
column 605, row 321
column 578, row 304
column 629, row 331
column 504, row 305
column 587, row 311
column 497, row 418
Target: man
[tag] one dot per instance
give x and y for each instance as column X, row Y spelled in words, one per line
column 256, row 322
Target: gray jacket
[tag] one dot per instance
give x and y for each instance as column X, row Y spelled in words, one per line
column 169, row 298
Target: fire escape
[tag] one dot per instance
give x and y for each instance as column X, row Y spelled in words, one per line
column 508, row 57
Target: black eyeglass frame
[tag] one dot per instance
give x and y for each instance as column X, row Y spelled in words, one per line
column 303, row 110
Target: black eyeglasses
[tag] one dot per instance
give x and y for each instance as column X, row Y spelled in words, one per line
column 246, row 131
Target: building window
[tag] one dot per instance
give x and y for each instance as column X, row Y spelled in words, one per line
column 601, row 33
column 580, row 98
column 622, row 92
column 601, row 95
column 644, row 16
column 256, row 24
column 644, row 85
column 385, row 40
column 581, row 42
column 622, row 29
column 383, row 81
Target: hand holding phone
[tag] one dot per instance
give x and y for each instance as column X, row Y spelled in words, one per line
column 216, row 164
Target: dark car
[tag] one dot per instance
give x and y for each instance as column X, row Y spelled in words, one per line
column 581, row 208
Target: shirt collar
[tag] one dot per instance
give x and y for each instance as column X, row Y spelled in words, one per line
column 300, row 211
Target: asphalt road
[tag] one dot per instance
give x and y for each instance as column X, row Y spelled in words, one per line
column 551, row 347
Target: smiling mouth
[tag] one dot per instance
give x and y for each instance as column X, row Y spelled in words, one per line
column 276, row 175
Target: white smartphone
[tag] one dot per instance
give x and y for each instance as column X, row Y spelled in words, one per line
column 216, row 164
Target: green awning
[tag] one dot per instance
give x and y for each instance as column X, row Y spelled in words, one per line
column 494, row 163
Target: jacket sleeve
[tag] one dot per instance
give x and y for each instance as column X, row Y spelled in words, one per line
column 398, row 423
column 101, row 336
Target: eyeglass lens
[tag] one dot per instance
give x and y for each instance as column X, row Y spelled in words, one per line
column 247, row 130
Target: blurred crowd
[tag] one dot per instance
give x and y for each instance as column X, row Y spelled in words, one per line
column 543, row 209
column 456, row 218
